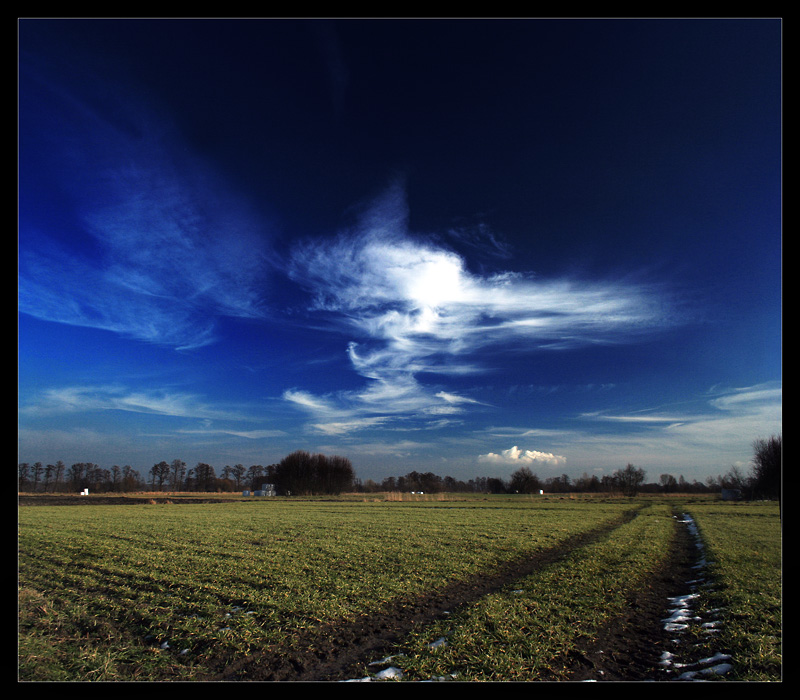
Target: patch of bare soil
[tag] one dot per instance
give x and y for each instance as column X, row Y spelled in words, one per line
column 340, row 651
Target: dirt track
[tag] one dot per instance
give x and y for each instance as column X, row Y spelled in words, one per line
column 627, row 650
column 630, row 649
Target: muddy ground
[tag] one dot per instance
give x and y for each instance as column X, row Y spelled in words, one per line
column 631, row 648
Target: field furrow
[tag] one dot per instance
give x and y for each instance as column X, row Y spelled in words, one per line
column 484, row 589
column 541, row 625
column 335, row 651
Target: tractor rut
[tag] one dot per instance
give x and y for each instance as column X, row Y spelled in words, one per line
column 340, row 651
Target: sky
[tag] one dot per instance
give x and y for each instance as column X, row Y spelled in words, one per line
column 459, row 246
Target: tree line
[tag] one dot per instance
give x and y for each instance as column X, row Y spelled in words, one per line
column 299, row 473
column 303, row 473
column 56, row 478
column 628, row 480
column 763, row 481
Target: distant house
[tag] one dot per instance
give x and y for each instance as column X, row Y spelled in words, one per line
column 731, row 495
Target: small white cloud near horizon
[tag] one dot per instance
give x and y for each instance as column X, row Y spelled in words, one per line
column 515, row 456
column 455, row 399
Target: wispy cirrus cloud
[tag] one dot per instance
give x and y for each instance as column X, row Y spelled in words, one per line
column 714, row 431
column 382, row 403
column 722, row 411
column 160, row 247
column 247, row 434
column 78, row 399
column 414, row 307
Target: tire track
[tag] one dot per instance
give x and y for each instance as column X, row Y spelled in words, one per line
column 338, row 651
column 631, row 647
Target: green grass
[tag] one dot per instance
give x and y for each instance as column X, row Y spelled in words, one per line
column 525, row 633
column 743, row 548
column 102, row 588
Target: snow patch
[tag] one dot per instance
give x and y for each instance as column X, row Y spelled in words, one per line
column 681, row 618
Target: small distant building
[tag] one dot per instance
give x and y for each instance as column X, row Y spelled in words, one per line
column 266, row 490
column 731, row 495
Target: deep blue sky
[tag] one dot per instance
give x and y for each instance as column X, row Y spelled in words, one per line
column 459, row 246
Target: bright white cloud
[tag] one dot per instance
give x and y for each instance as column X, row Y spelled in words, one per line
column 455, row 399
column 750, row 399
column 380, row 404
column 420, row 302
column 310, row 402
column 515, row 456
column 745, row 409
column 414, row 307
column 348, row 426
column 402, row 449
column 638, row 418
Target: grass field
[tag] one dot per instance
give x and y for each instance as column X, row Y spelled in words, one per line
column 189, row 591
column 744, row 562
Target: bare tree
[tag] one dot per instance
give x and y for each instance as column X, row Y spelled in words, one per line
column 524, row 481
column 158, row 475
column 255, row 475
column 630, row 479
column 668, row 483
column 177, row 473
column 237, row 472
column 767, row 472
column 38, row 471
column 59, row 475
column 205, row 477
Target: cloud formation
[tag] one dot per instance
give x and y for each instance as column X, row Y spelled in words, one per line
column 515, row 456
column 158, row 247
column 111, row 397
column 712, row 432
column 413, row 307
